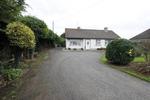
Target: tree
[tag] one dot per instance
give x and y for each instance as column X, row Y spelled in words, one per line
column 63, row 42
column 62, row 35
column 9, row 10
column 59, row 41
column 50, row 38
column 146, row 49
column 5, row 52
column 38, row 26
column 20, row 37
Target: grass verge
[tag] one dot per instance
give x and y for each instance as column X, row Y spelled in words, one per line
column 128, row 69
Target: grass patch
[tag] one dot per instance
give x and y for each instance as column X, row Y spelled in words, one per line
column 136, row 59
column 128, row 69
column 103, row 59
column 139, row 59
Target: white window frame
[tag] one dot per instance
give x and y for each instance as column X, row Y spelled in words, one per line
column 75, row 42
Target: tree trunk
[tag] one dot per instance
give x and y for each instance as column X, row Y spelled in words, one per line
column 31, row 51
column 17, row 56
column 25, row 54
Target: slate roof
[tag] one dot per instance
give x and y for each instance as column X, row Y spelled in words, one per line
column 89, row 33
column 143, row 35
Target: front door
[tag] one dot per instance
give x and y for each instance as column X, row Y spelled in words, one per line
column 88, row 44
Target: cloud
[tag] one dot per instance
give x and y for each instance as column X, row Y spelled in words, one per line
column 126, row 17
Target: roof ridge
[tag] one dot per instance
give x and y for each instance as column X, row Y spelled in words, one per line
column 87, row 29
column 141, row 35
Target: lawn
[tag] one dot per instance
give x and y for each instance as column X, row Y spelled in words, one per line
column 136, row 59
column 139, row 59
column 128, row 69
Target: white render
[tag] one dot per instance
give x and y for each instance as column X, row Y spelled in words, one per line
column 86, row 43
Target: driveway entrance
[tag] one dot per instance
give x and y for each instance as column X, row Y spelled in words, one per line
column 78, row 75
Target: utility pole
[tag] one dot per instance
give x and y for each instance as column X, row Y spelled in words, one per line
column 53, row 26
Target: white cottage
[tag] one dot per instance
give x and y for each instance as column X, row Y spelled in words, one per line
column 88, row 39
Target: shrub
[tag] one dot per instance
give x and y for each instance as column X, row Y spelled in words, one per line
column 11, row 74
column 120, row 51
column 101, row 49
column 74, row 49
column 98, row 48
column 20, row 35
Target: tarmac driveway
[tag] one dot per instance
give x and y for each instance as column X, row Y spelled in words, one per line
column 78, row 75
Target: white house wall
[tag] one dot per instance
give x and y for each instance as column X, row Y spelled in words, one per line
column 67, row 43
column 73, row 46
column 103, row 44
column 83, row 44
column 93, row 44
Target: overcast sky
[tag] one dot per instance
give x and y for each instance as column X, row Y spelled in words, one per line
column 125, row 17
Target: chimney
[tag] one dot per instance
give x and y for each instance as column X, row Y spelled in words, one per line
column 106, row 29
column 78, row 28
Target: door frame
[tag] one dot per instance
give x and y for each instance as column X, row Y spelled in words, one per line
column 87, row 44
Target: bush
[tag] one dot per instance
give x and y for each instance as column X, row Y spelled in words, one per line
column 11, row 74
column 74, row 49
column 120, row 51
column 20, row 35
column 101, row 48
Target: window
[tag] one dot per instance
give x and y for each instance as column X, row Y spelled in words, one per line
column 75, row 42
column 98, row 42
